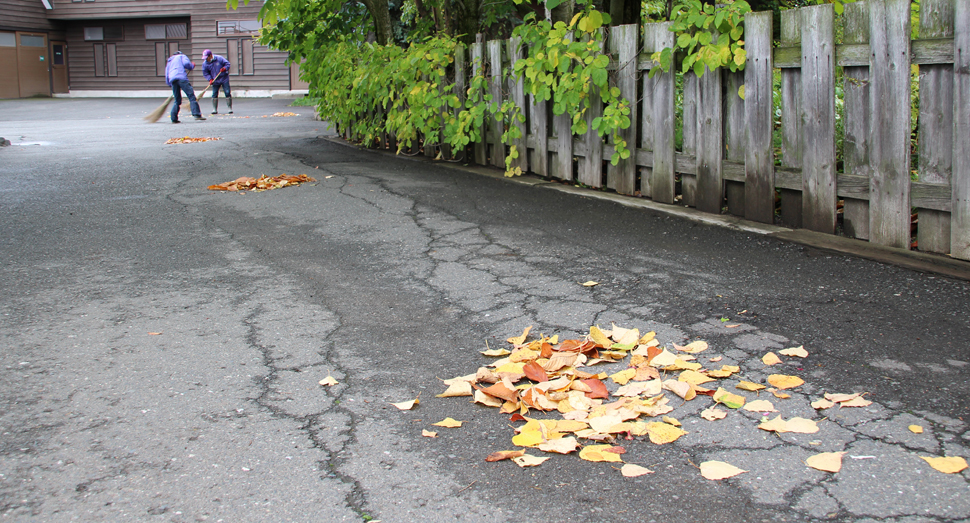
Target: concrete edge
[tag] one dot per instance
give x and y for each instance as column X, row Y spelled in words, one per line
column 914, row 260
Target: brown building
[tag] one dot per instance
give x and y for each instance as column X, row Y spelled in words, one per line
column 119, row 47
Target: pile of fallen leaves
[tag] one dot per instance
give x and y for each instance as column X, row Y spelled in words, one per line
column 263, row 183
column 283, row 114
column 189, row 139
column 550, row 376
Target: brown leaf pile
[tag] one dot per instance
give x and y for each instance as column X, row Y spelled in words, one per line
column 189, row 139
column 548, row 376
column 263, row 183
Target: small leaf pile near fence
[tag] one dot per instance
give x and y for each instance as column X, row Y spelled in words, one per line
column 726, row 160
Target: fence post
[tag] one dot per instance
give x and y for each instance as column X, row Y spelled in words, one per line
column 818, row 119
column 591, row 165
column 659, row 181
column 496, row 149
column 935, row 125
column 623, row 42
column 960, row 196
column 759, row 166
column 791, row 137
column 710, row 142
column 855, row 143
column 517, row 90
column 734, row 136
column 688, row 182
column 479, row 148
column 889, row 155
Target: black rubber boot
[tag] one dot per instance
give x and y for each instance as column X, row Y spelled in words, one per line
column 215, row 106
column 229, row 103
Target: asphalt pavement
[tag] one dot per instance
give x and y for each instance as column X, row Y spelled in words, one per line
column 162, row 344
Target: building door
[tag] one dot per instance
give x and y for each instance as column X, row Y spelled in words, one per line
column 59, row 67
column 295, row 82
column 9, row 80
column 33, row 61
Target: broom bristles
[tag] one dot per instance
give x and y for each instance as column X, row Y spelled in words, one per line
column 157, row 113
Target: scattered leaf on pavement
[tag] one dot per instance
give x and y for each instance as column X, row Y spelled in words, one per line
column 630, row 470
column 948, row 465
column 263, row 183
column 797, row 352
column 457, row 389
column 749, row 386
column 600, row 453
column 329, row 381
column 727, row 399
column 663, row 433
column 189, row 139
column 916, row 429
column 785, row 382
column 770, row 359
column 826, row 461
column 429, row 434
column 504, row 454
column 407, row 405
column 591, row 283
column 449, row 423
column 760, row 406
column 527, row 460
column 693, row 347
column 713, row 414
column 715, row 470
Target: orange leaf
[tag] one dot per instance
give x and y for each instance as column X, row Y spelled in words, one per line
column 504, row 454
column 535, row 372
column 597, row 389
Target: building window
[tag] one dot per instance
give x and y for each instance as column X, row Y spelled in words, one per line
column 166, row 31
column 8, row 40
column 105, row 59
column 94, row 33
column 240, row 55
column 32, row 41
column 238, row 27
column 98, row 34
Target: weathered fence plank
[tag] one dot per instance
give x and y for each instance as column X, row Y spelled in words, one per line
column 710, row 143
column 960, row 206
column 818, row 119
column 495, row 149
column 562, row 164
column 663, row 180
column 623, row 43
column 791, row 101
column 759, row 173
column 461, row 75
column 734, row 137
column 889, row 157
column 855, row 143
column 590, row 168
column 646, row 120
column 517, row 92
column 935, row 125
column 688, row 182
column 479, row 149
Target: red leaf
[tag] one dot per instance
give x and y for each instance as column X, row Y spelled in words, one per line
column 598, row 389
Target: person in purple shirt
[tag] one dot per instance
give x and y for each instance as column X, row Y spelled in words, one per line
column 177, row 76
column 216, row 71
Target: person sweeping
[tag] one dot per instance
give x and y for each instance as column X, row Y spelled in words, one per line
column 216, row 71
column 177, row 76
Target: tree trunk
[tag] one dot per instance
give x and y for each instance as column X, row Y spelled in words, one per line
column 564, row 12
column 466, row 18
column 382, row 20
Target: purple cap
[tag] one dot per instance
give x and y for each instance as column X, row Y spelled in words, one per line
column 206, row 53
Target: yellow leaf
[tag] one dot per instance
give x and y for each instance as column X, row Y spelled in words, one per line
column 693, row 377
column 693, row 347
column 839, row 398
column 916, row 429
column 822, row 404
column 528, row 438
column 485, row 399
column 680, row 364
column 429, row 434
column 457, row 389
column 826, row 461
column 780, row 395
column 760, row 406
column 715, row 470
column 652, row 388
column 560, row 446
column 519, row 340
column 625, row 336
column 785, row 382
column 604, row 424
column 680, row 388
column 329, row 381
column 950, row 465
column 526, row 460
column 662, row 433
column 598, row 337
column 749, row 386
column 599, row 453
column 802, row 426
column 449, row 423
column 591, row 283
column 856, row 402
column 770, row 359
column 496, row 352
column 647, row 338
column 671, row 421
column 775, row 425
column 630, row 470
column 663, row 359
column 798, row 352
column 622, row 377
column 724, row 397
column 566, row 425
column 713, row 414
column 406, row 405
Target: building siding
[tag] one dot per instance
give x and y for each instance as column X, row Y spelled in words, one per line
column 18, row 15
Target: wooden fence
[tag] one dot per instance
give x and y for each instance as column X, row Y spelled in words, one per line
column 727, row 158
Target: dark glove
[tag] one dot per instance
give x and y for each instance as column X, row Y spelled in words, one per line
column 222, row 70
